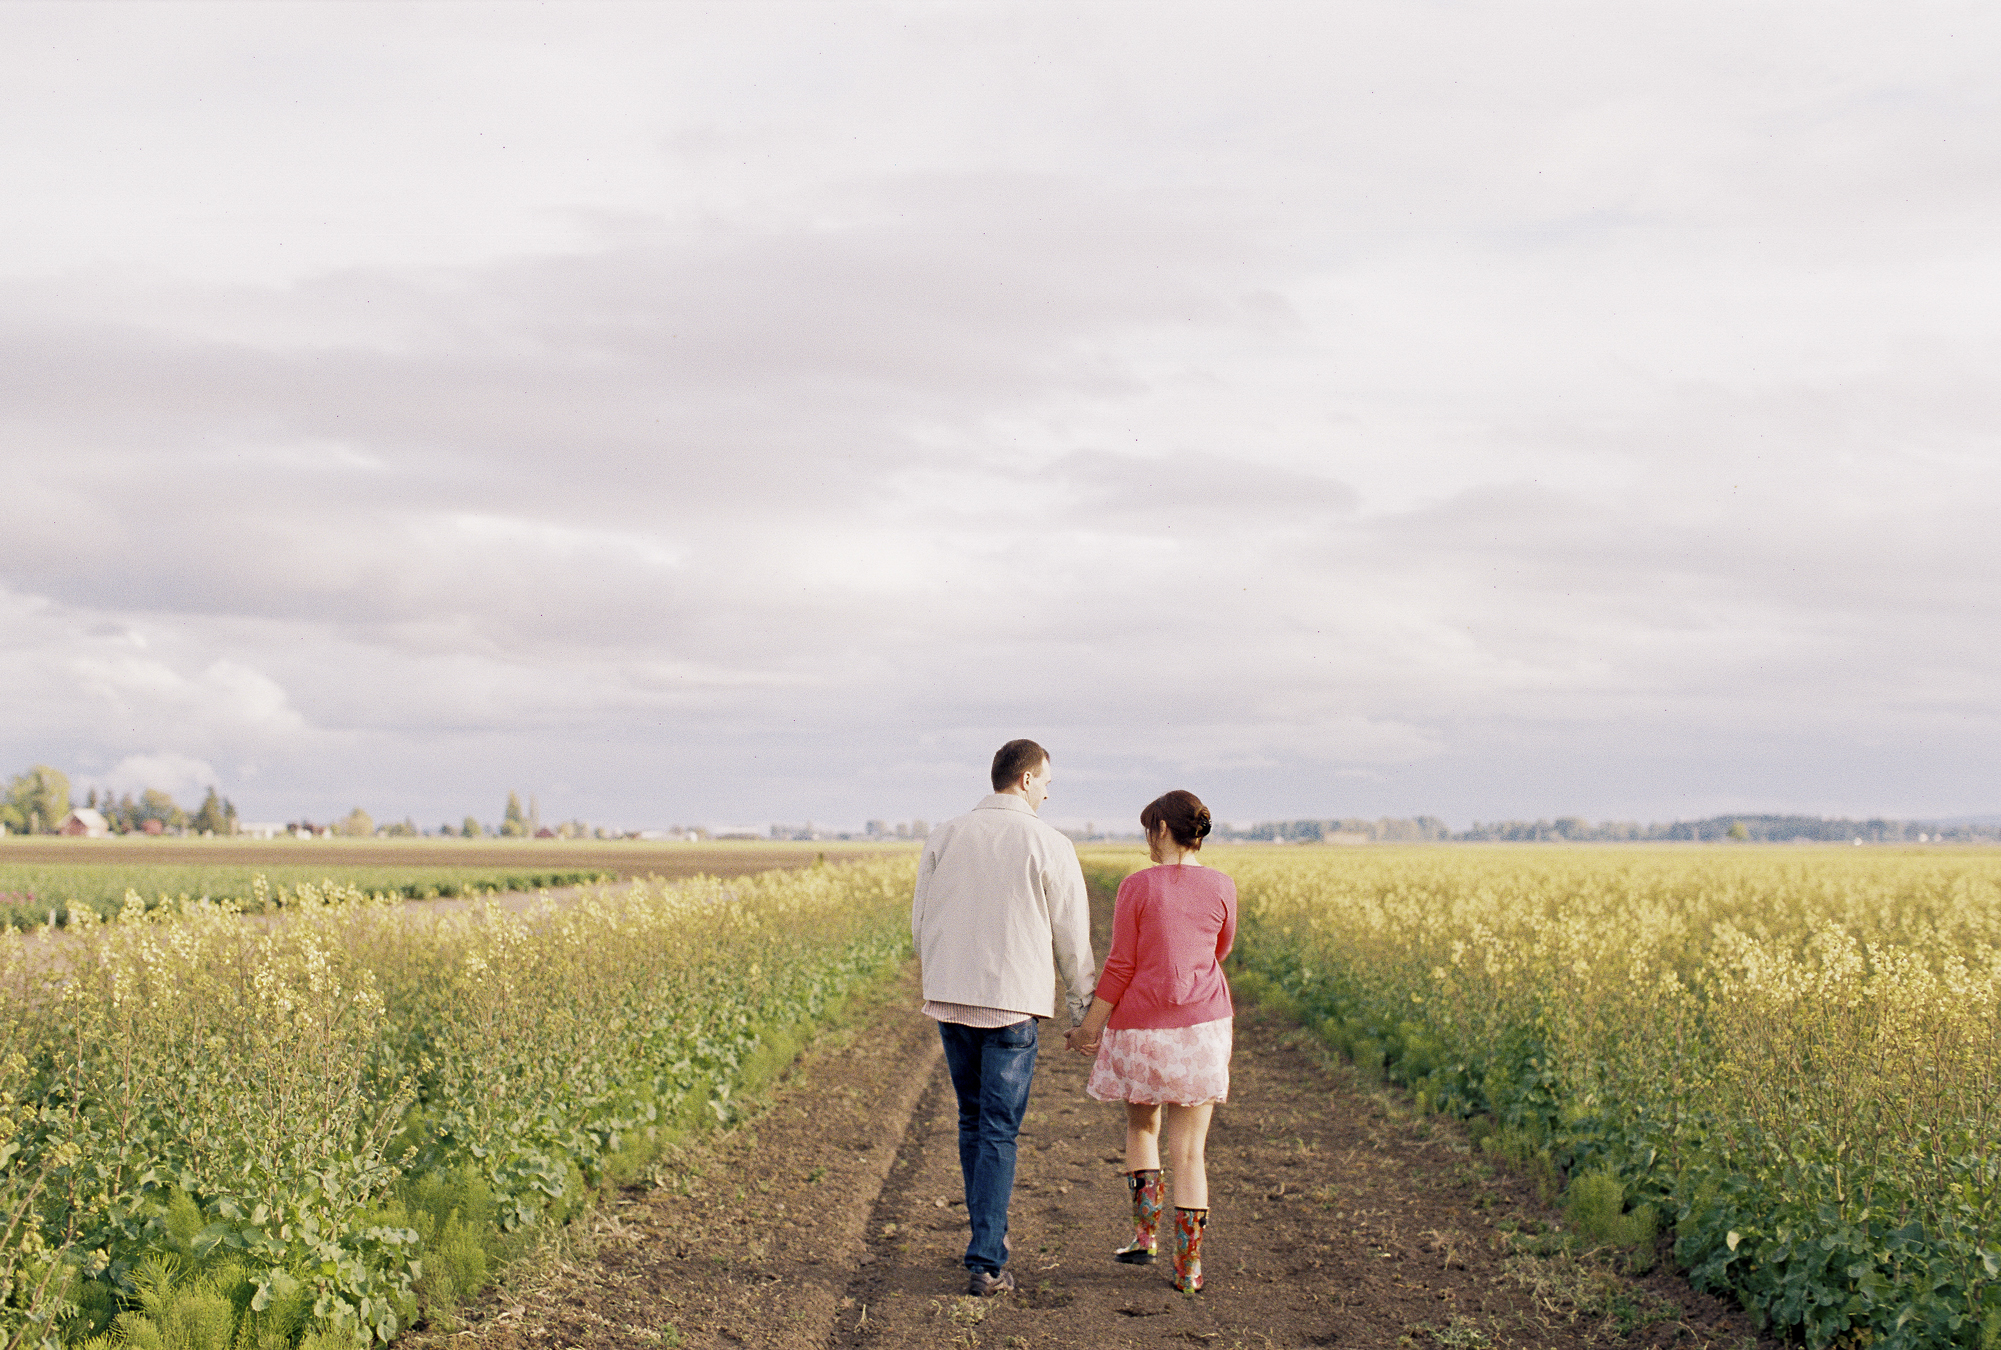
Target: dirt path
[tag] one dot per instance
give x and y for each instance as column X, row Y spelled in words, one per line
column 834, row 1221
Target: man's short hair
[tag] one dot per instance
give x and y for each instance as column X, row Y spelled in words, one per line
column 1013, row 760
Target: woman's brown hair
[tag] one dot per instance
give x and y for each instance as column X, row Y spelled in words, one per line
column 1187, row 820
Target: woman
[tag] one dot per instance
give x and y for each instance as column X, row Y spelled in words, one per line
column 1160, row 1025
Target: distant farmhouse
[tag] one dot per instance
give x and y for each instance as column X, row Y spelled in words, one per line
column 85, row 823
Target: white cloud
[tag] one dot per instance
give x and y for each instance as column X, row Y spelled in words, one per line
column 225, row 701
column 185, row 779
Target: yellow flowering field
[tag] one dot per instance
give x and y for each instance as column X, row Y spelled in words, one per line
column 223, row 1132
column 1789, row 1055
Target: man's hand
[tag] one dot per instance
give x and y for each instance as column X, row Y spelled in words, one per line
column 1083, row 1038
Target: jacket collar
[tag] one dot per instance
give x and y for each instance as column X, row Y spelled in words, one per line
column 1003, row 801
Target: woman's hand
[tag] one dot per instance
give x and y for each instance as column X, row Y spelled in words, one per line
column 1082, row 1039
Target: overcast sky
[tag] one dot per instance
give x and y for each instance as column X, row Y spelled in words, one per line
column 751, row 413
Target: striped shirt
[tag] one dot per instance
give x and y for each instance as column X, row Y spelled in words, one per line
column 968, row 1016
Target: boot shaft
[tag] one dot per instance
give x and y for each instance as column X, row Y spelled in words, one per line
column 1148, row 1190
column 1188, row 1226
column 1148, row 1193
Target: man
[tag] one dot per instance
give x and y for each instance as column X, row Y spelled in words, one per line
column 997, row 892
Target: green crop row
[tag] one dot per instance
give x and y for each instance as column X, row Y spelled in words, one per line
column 226, row 1135
column 1794, row 1059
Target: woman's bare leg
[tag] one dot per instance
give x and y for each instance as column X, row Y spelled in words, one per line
column 1187, row 1131
column 1143, row 1136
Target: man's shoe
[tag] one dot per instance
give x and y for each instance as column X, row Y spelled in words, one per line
column 983, row 1285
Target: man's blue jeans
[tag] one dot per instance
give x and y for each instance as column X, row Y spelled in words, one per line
column 991, row 1069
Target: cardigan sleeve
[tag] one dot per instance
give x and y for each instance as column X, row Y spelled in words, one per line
column 1123, row 959
column 1226, row 936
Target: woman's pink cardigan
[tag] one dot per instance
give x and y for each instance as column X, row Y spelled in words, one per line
column 1170, row 928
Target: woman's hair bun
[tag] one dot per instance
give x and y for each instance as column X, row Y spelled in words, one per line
column 1182, row 812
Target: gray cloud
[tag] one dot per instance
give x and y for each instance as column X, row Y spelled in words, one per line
column 1361, row 412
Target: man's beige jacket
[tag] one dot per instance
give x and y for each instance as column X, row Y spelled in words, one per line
column 998, row 891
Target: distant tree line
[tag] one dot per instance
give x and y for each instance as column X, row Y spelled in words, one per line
column 38, row 802
column 1776, row 829
column 216, row 814
column 516, row 822
column 1420, row 829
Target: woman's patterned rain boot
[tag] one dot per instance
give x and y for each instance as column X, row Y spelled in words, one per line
column 1148, row 1192
column 1188, row 1225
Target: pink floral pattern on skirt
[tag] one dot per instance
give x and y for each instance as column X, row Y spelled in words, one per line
column 1150, row 1065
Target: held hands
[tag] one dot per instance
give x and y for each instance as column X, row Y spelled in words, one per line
column 1083, row 1038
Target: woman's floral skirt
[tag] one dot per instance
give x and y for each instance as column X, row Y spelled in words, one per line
column 1150, row 1065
